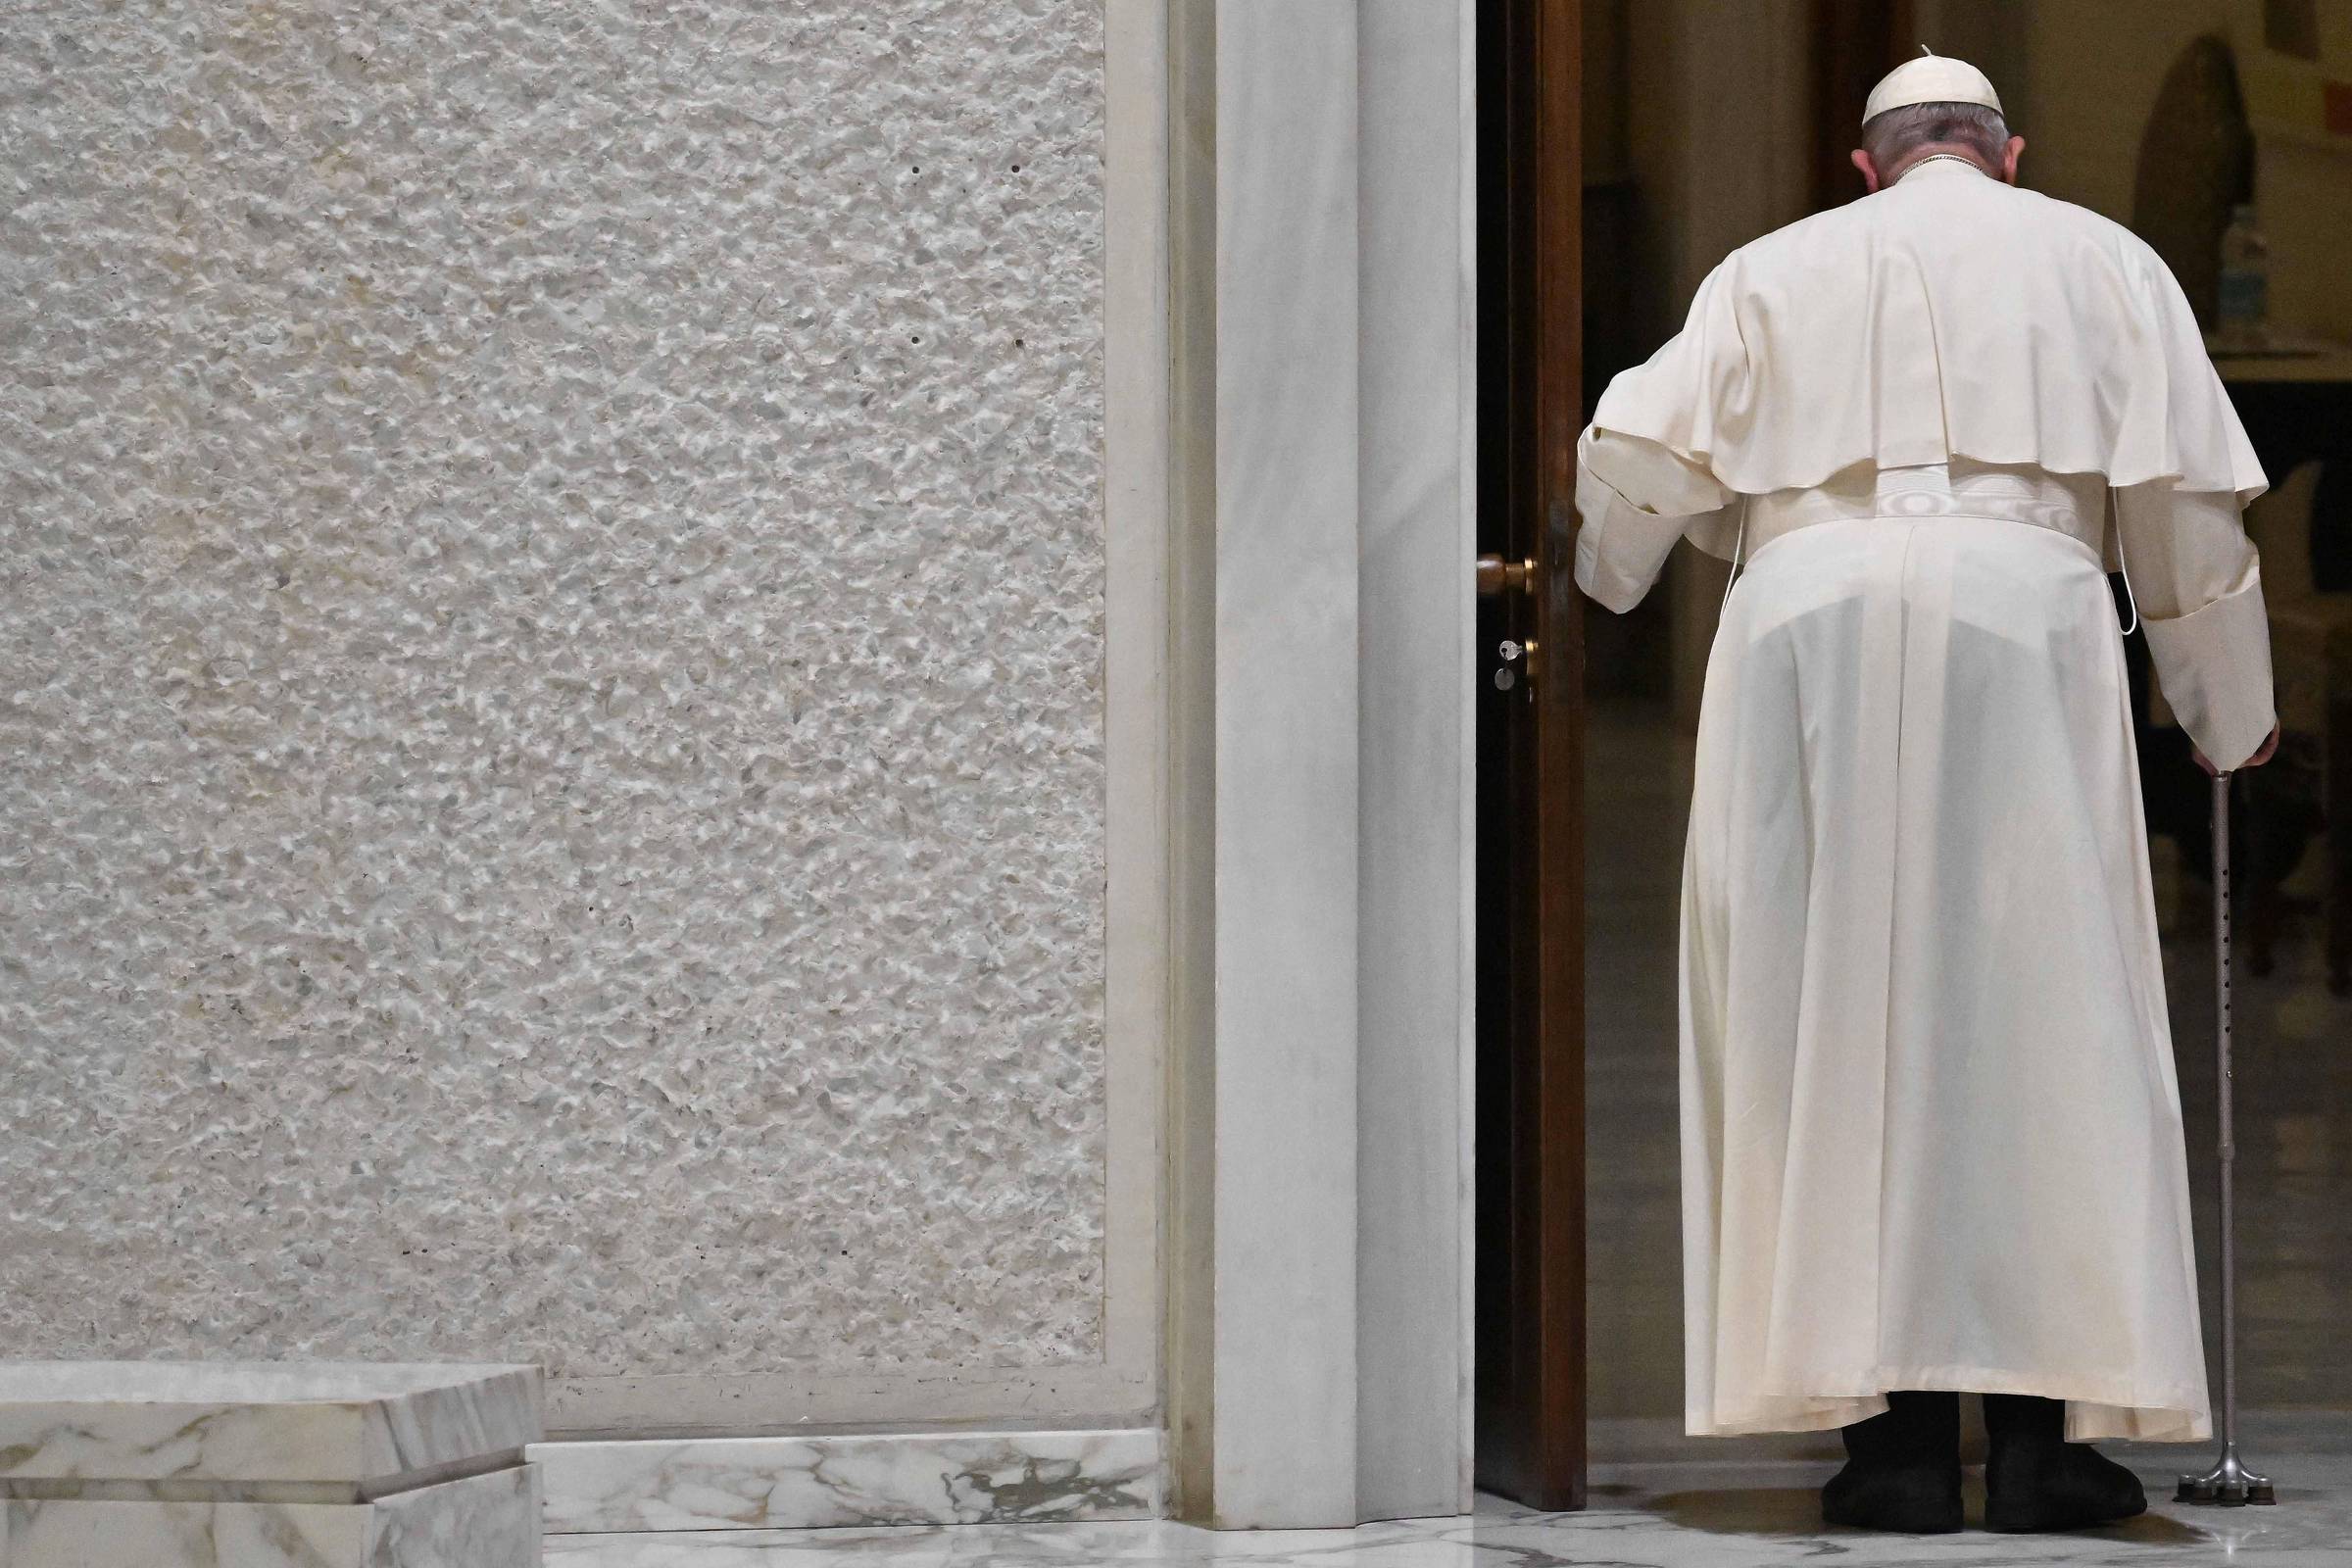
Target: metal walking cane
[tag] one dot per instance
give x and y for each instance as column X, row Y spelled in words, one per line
column 2228, row 1482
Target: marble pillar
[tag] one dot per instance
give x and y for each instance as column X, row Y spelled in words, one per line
column 1285, row 762
column 1324, row 410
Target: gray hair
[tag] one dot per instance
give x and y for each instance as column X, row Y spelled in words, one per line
column 1893, row 136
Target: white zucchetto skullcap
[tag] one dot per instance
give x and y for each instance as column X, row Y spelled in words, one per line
column 1930, row 80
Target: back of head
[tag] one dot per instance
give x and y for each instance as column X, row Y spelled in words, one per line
column 1933, row 104
column 1898, row 136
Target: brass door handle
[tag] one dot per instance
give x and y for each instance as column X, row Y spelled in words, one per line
column 1496, row 575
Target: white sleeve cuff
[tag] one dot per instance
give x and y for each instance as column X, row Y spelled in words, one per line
column 1620, row 549
column 2214, row 665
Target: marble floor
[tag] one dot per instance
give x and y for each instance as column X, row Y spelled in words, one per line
column 1695, row 1518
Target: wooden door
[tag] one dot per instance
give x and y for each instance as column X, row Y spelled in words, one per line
column 1528, row 1428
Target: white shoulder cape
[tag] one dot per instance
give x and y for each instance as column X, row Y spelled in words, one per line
column 1949, row 316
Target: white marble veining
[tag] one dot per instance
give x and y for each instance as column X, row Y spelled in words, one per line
column 945, row 1478
column 1666, row 1523
column 362, row 1426
column 76, row 1532
column 489, row 1521
column 486, row 1521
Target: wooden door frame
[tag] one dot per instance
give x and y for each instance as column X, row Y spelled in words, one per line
column 1533, row 1385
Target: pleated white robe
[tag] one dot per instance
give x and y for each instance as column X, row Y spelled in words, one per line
column 1931, row 1130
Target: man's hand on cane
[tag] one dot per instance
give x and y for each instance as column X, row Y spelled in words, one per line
column 2262, row 754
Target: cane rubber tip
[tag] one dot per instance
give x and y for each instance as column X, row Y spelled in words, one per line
column 2262, row 1493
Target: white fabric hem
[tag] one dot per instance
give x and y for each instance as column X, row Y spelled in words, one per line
column 2096, row 1408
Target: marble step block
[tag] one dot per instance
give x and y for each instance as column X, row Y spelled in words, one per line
column 156, row 1465
column 873, row 1478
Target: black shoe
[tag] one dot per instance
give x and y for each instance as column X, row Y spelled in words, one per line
column 2037, row 1480
column 1902, row 1468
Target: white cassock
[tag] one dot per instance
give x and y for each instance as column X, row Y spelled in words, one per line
column 1930, row 1131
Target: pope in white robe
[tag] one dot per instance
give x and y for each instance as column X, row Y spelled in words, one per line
column 1932, row 1137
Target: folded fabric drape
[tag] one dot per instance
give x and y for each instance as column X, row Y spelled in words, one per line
column 1832, row 343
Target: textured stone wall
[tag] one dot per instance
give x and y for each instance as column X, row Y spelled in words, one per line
column 550, row 599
